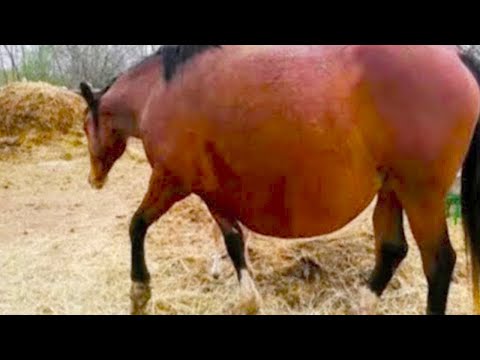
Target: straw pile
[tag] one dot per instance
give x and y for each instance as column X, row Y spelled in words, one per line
column 35, row 113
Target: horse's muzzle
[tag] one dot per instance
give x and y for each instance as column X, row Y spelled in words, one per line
column 95, row 183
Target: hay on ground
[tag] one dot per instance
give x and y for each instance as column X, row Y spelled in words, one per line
column 32, row 113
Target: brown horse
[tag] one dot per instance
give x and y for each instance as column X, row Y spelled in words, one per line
column 296, row 141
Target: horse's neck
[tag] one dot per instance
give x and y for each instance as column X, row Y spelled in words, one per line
column 128, row 125
column 134, row 98
column 123, row 108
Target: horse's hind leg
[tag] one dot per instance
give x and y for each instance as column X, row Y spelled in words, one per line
column 390, row 246
column 250, row 300
column 429, row 226
column 163, row 193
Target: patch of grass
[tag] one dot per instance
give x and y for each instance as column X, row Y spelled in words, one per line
column 454, row 207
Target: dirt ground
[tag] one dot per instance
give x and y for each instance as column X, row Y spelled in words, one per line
column 64, row 249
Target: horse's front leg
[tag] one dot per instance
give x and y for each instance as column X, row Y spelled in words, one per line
column 162, row 194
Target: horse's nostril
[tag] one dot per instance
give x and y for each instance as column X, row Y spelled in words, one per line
column 96, row 183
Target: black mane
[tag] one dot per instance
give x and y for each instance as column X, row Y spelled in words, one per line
column 174, row 56
column 109, row 85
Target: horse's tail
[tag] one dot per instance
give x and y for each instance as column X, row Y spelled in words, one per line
column 471, row 195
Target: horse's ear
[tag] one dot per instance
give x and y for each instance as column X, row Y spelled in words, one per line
column 92, row 100
column 88, row 95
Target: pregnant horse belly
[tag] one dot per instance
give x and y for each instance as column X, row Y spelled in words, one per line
column 309, row 204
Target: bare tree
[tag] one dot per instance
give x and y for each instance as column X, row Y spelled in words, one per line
column 12, row 54
column 70, row 64
column 97, row 64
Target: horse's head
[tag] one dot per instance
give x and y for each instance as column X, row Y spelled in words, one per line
column 105, row 143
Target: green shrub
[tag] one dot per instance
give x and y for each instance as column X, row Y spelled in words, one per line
column 454, row 207
column 38, row 65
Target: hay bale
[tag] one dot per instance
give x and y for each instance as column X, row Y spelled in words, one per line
column 36, row 112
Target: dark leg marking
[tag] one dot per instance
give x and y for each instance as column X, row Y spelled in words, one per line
column 138, row 231
column 391, row 257
column 440, row 279
column 236, row 249
column 391, row 244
